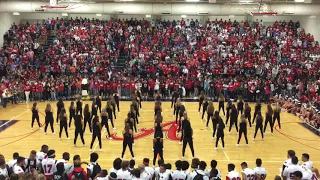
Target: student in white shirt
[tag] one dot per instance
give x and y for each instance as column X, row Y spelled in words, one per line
column 247, row 173
column 17, row 168
column 49, row 164
column 93, row 168
column 200, row 171
column 213, row 165
column 179, row 173
column 148, row 169
column 123, row 173
column 65, row 159
column 163, row 173
column 14, row 161
column 306, row 162
column 260, row 171
column 31, row 163
column 157, row 169
column 143, row 174
column 116, row 165
column 185, row 167
column 3, row 169
column 288, row 171
column 136, row 175
column 43, row 152
column 231, row 173
column 287, row 162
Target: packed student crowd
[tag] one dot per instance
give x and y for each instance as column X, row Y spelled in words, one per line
column 45, row 165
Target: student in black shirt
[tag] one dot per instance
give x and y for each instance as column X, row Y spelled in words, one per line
column 78, row 123
column 259, row 125
column 98, row 103
column 113, row 105
column 174, row 99
column 220, row 133
column 116, row 100
column 221, row 100
column 233, row 117
column 269, row 114
column 135, row 106
column 79, row 106
column 276, row 115
column 104, row 122
column 240, row 106
column 257, row 109
column 109, row 110
column 127, row 140
column 204, row 107
column 94, row 110
column 228, row 108
column 247, row 112
column 187, row 137
column 35, row 115
column 96, row 129
column 201, row 99
column 63, row 122
column 215, row 121
column 157, row 108
column 157, row 147
column 72, row 112
column 60, row 105
column 181, row 112
column 210, row 111
column 243, row 129
column 87, row 118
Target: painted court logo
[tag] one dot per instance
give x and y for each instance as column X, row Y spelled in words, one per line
column 168, row 128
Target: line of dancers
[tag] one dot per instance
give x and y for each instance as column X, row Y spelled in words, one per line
column 232, row 113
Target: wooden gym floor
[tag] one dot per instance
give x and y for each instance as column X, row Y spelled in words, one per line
column 16, row 136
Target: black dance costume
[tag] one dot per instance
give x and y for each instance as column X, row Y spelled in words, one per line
column 94, row 111
column 157, row 149
column 60, row 105
column 233, row 119
column 247, row 114
column 113, row 104
column 131, row 127
column 258, row 126
column 110, row 117
column 204, row 108
column 215, row 121
column 78, row 129
column 127, row 141
column 268, row 120
column 157, row 109
column 49, row 120
column 72, row 113
column 240, row 107
column 201, row 99
column 35, row 116
column 220, row 133
column 221, row 106
column 187, row 139
column 181, row 112
column 133, row 116
column 243, row 130
column 87, row 120
column 158, row 98
column 174, row 99
column 96, row 128
column 79, row 107
column 98, row 103
column 228, row 112
column 209, row 115
column 276, row 116
column 117, row 101
column 256, row 110
column 104, row 122
column 136, row 108
column 63, row 125
column 140, row 99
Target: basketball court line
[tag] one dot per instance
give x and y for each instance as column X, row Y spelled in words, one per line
column 14, row 118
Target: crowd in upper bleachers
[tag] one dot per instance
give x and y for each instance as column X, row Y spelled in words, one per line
column 237, row 58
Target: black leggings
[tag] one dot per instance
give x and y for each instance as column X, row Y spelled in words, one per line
column 257, row 128
column 185, row 142
column 248, row 116
column 124, row 147
column 221, row 106
column 209, row 115
column 94, row 136
column 254, row 116
column 276, row 117
column 240, row 111
column 71, row 117
column 87, row 121
column 58, row 112
column 214, row 125
column 79, row 110
column 245, row 136
column 203, row 111
column 35, row 118
column 105, row 123
column 118, row 107
column 99, row 107
column 155, row 154
column 63, row 125
column 268, row 120
column 220, row 136
column 51, row 125
column 76, row 133
column 200, row 104
column 231, row 124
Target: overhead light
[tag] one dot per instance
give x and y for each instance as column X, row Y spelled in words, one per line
column 184, row 16
column 231, row 16
column 16, row 13
column 192, row 0
column 299, row 1
column 64, row 14
column 313, row 17
column 98, row 14
column 148, row 16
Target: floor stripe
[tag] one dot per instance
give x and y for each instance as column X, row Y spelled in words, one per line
column 14, row 118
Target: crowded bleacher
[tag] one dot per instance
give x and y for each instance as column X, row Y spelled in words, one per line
column 236, row 58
